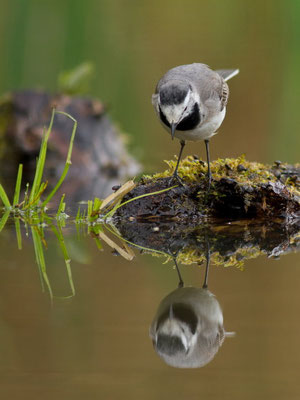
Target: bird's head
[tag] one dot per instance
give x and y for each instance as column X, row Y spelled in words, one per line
column 188, row 331
column 176, row 330
column 178, row 106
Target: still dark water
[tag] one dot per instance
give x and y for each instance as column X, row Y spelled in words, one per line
column 96, row 345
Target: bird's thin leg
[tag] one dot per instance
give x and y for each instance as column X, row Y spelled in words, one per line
column 207, row 256
column 175, row 174
column 208, row 163
column 180, row 282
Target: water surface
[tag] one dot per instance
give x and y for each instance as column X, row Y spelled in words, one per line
column 96, row 343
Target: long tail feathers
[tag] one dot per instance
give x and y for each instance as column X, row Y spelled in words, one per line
column 227, row 74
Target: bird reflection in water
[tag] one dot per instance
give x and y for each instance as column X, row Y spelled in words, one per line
column 187, row 330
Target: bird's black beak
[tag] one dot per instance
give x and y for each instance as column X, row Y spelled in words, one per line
column 173, row 129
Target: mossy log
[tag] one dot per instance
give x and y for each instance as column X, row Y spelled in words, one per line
column 240, row 189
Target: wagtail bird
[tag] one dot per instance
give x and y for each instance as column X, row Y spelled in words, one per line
column 190, row 101
column 188, row 330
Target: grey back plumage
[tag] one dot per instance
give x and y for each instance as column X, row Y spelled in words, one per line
column 200, row 76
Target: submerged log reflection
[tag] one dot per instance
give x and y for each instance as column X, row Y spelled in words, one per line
column 231, row 243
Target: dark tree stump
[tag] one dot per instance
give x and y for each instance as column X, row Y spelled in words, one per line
column 99, row 160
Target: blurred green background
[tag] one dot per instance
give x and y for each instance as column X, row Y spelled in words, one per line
column 133, row 42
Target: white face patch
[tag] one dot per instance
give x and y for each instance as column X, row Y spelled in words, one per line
column 175, row 112
column 195, row 97
column 172, row 327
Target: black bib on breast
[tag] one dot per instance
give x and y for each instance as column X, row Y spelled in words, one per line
column 188, row 123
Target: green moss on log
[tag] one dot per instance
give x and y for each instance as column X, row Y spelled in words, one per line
column 240, row 189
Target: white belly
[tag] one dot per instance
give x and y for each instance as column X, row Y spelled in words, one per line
column 204, row 131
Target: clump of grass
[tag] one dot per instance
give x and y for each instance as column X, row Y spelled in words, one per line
column 93, row 209
column 32, row 210
column 32, row 201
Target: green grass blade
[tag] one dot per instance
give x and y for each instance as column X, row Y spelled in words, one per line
column 18, row 185
column 61, row 179
column 35, row 239
column 58, row 233
column 4, row 198
column 72, row 135
column 111, row 212
column 37, row 197
column 18, row 233
column 90, row 208
column 97, row 204
column 68, row 160
column 38, row 170
column 98, row 243
column 41, row 161
column 78, row 215
column 4, row 219
column 69, row 272
column 40, row 259
column 61, row 207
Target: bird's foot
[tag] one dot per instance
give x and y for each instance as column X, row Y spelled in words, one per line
column 175, row 180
